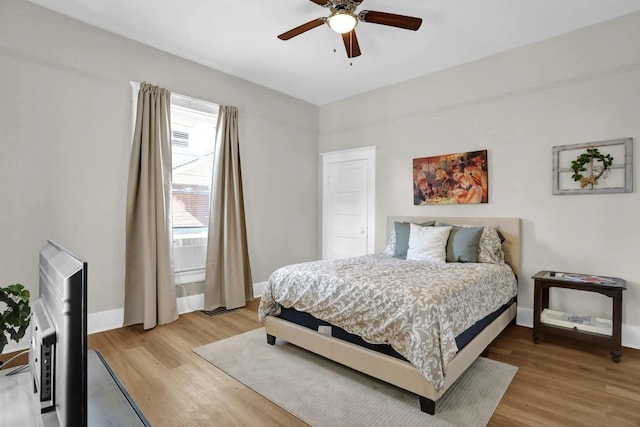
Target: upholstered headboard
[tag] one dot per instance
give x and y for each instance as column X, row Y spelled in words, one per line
column 509, row 227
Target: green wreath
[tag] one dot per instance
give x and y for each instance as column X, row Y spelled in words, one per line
column 580, row 165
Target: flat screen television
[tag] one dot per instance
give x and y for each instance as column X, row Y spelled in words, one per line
column 58, row 356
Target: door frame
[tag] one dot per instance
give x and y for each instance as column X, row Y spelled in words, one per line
column 363, row 153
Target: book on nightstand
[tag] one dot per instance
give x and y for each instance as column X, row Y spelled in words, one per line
column 588, row 278
column 583, row 323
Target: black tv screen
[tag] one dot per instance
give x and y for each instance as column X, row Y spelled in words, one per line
column 58, row 356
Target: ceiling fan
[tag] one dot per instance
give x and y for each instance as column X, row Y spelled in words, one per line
column 343, row 19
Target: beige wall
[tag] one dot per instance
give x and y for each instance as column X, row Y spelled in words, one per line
column 65, row 118
column 580, row 87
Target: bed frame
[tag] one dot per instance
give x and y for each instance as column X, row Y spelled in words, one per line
column 396, row 371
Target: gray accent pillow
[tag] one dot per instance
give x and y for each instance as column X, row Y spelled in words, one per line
column 402, row 230
column 463, row 244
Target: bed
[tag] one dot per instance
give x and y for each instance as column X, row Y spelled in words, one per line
column 386, row 317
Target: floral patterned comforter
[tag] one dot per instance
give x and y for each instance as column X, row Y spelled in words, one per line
column 415, row 306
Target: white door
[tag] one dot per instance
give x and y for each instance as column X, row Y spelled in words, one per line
column 348, row 202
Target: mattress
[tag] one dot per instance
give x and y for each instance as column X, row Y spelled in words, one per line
column 308, row 321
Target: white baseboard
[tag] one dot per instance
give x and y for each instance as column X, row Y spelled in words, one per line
column 96, row 322
column 22, row 345
column 630, row 336
column 190, row 303
column 525, row 317
column 113, row 319
column 258, row 289
column 105, row 320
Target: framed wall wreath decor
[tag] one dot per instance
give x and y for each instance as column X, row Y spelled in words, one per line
column 593, row 167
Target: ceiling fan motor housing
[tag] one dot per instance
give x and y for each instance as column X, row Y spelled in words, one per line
column 348, row 5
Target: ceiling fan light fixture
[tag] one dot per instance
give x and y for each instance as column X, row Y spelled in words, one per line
column 342, row 21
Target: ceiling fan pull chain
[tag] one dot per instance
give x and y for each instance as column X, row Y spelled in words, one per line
column 351, row 47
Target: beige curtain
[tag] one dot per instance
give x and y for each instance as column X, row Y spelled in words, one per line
column 150, row 296
column 228, row 275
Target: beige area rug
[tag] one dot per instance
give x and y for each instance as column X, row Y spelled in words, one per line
column 323, row 393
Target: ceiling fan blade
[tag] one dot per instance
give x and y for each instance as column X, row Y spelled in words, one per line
column 302, row 28
column 390, row 19
column 351, row 44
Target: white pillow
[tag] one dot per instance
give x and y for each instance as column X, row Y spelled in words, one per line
column 428, row 243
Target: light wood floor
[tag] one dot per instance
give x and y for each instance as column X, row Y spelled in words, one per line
column 559, row 382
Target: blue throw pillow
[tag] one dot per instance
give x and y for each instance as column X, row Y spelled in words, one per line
column 463, row 244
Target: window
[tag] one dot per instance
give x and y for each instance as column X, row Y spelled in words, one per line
column 193, row 132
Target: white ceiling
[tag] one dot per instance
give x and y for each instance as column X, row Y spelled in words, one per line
column 239, row 37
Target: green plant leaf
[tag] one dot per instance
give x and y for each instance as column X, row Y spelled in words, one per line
column 14, row 320
column 592, row 154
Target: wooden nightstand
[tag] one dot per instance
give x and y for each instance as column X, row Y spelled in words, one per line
column 613, row 287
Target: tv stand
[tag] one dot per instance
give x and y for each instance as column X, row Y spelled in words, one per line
column 108, row 401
